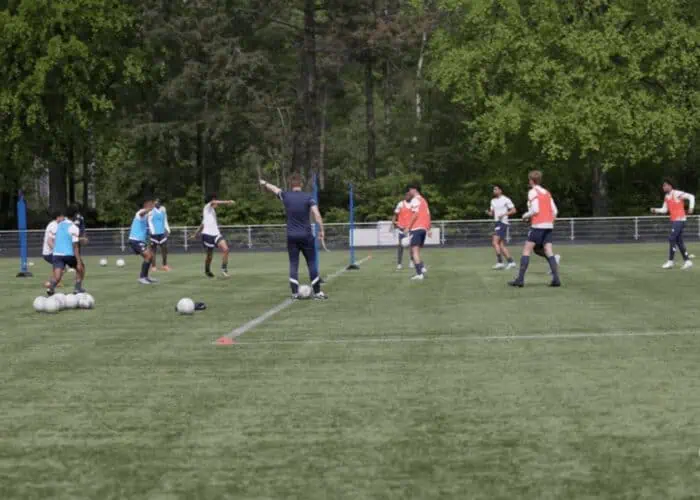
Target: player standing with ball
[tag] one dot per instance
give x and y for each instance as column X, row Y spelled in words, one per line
column 299, row 206
column 66, row 252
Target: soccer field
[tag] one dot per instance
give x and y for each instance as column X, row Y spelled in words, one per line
column 455, row 387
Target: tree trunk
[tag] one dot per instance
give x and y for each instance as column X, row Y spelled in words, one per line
column 600, row 188
column 57, row 183
column 369, row 117
column 86, row 178
column 388, row 98
column 71, row 174
column 199, row 159
column 305, row 156
column 322, row 146
column 419, row 76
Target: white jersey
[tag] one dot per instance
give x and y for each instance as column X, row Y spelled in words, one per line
column 500, row 207
column 49, row 237
column 209, row 223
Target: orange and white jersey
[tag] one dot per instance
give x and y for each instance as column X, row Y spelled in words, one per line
column 674, row 205
column 420, row 206
column 404, row 214
column 541, row 208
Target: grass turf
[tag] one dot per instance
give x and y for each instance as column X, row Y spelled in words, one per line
column 132, row 401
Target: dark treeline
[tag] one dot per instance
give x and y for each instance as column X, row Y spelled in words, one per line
column 102, row 101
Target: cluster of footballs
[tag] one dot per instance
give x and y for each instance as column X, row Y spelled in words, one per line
column 61, row 302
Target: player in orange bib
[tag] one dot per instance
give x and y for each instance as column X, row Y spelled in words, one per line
column 418, row 228
column 674, row 205
column 542, row 211
column 401, row 220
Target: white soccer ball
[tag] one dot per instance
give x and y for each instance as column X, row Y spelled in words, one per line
column 120, row 263
column 52, row 305
column 185, row 306
column 86, row 301
column 61, row 299
column 406, row 241
column 71, row 301
column 40, row 304
column 305, row 291
column 103, row 262
column 31, row 263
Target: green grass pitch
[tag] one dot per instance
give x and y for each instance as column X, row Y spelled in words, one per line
column 132, row 401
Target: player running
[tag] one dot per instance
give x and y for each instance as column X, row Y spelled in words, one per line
column 66, row 252
column 501, row 208
column 401, row 219
column 541, row 212
column 211, row 236
column 50, row 241
column 160, row 230
column 418, row 229
column 298, row 206
column 674, row 204
column 138, row 241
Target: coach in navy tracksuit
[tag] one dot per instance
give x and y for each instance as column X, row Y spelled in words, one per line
column 300, row 239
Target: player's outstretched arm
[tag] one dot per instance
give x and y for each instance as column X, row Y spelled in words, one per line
column 691, row 201
column 216, row 203
column 662, row 210
column 270, row 187
column 196, row 233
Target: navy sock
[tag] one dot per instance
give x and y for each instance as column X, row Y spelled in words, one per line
column 419, row 268
column 554, row 267
column 316, row 283
column 510, row 260
column 524, row 263
column 399, row 256
column 145, row 267
column 681, row 247
column 499, row 258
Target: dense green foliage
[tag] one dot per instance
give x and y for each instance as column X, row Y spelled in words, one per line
column 113, row 99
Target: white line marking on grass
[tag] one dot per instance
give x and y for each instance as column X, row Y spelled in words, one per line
column 476, row 338
column 280, row 307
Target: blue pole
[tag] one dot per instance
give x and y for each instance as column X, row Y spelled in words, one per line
column 22, row 226
column 316, row 226
column 353, row 265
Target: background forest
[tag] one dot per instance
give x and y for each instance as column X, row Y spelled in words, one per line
column 102, row 101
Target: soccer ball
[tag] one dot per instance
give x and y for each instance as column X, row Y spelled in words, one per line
column 86, row 302
column 61, row 299
column 40, row 304
column 103, row 262
column 406, row 241
column 305, row 291
column 120, row 263
column 51, row 305
column 71, row 301
column 185, row 306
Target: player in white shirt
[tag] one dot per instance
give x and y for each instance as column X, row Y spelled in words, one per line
column 501, row 208
column 211, row 236
column 50, row 240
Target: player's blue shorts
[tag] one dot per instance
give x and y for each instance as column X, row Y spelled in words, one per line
column 418, row 237
column 539, row 236
column 138, row 247
column 63, row 261
column 501, row 230
column 677, row 228
column 48, row 258
column 159, row 239
column 210, row 241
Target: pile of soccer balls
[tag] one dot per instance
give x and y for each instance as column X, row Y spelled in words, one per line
column 61, row 302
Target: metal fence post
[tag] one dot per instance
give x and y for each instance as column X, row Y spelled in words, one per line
column 187, row 239
column 507, row 233
column 636, row 228
column 442, row 234
column 121, row 237
column 250, row 237
column 571, row 228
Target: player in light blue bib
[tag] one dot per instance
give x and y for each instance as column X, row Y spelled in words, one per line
column 160, row 230
column 138, row 240
column 66, row 253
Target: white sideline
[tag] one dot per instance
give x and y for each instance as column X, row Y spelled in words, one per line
column 237, row 332
column 476, row 338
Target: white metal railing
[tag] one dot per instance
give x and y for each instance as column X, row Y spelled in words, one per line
column 447, row 234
